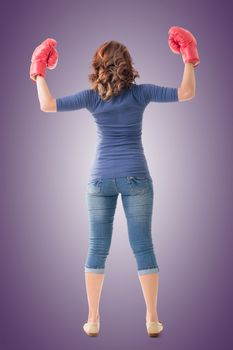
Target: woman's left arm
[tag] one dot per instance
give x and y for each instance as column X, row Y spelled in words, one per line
column 47, row 101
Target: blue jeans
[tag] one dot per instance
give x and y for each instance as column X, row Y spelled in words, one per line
column 137, row 199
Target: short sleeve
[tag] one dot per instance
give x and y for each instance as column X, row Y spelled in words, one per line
column 155, row 93
column 79, row 100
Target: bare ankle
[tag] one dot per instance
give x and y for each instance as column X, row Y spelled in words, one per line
column 152, row 317
column 152, row 320
column 93, row 318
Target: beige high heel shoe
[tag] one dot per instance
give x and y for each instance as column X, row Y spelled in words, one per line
column 154, row 328
column 92, row 328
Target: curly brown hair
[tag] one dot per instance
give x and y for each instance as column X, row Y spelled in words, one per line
column 112, row 69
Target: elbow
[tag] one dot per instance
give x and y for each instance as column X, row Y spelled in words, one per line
column 50, row 106
column 185, row 95
column 191, row 96
column 42, row 109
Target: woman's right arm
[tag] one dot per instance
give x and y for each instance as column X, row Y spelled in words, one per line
column 188, row 85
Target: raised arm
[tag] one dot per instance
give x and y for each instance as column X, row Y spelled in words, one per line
column 187, row 89
column 44, row 56
column 47, row 101
column 182, row 41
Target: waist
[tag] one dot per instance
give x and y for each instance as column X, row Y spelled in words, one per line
column 111, row 167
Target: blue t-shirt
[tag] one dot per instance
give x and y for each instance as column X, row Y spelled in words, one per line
column 119, row 126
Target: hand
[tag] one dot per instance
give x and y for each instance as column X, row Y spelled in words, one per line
column 44, row 56
column 182, row 41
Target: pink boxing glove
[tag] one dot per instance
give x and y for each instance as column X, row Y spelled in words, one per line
column 44, row 56
column 182, row 41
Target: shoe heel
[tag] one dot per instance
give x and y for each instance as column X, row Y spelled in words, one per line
column 154, row 328
column 91, row 328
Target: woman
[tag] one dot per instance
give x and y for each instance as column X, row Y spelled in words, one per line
column 117, row 104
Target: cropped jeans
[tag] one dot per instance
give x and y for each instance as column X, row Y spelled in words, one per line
column 137, row 199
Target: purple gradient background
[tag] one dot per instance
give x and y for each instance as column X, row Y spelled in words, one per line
column 46, row 159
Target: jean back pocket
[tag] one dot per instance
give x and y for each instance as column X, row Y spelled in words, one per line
column 94, row 186
column 139, row 184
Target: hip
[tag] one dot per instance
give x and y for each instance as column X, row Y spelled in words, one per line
column 137, row 184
